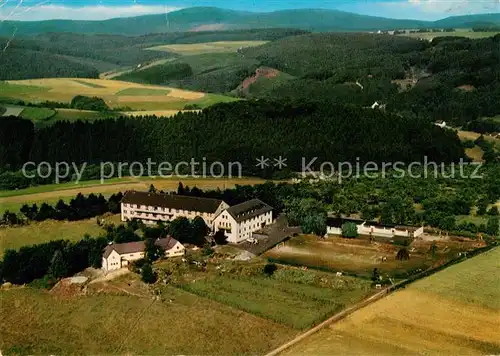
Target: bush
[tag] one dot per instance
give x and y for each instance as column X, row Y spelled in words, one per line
column 350, row 230
column 46, row 282
column 208, row 251
column 147, row 274
column 403, row 255
column 81, row 102
column 136, row 266
column 220, row 238
column 269, row 269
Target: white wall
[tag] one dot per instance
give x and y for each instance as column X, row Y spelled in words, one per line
column 177, row 250
column 333, row 230
column 227, row 223
column 152, row 215
column 243, row 230
column 113, row 262
column 364, row 229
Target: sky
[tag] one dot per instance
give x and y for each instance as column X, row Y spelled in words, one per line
column 30, row 10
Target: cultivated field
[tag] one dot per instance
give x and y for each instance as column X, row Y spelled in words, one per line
column 476, row 153
column 207, row 47
column 460, row 33
column 40, row 322
column 14, row 199
column 360, row 257
column 454, row 312
column 39, row 232
column 159, row 113
column 286, row 301
column 117, row 94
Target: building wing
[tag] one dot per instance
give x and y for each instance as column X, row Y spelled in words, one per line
column 172, row 201
column 248, row 210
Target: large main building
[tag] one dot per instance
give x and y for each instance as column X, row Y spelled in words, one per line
column 152, row 208
column 238, row 222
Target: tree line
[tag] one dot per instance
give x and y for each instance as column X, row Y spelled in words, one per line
column 435, row 201
column 79, row 208
column 457, row 78
column 235, row 132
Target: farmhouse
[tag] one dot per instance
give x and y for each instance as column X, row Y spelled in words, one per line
column 240, row 221
column 334, row 227
column 152, row 208
column 117, row 256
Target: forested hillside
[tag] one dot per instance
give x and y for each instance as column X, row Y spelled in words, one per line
column 199, row 18
column 210, row 72
column 79, row 55
column 237, row 132
column 18, row 63
column 452, row 79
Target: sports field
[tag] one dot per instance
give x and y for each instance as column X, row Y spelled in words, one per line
column 117, row 94
column 454, row 312
column 207, row 47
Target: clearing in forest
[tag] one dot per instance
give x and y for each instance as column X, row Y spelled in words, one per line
column 207, row 47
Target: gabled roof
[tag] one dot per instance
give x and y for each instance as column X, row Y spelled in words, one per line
column 248, row 210
column 172, row 201
column 138, row 246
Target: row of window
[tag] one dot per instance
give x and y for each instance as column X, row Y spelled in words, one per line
column 157, row 209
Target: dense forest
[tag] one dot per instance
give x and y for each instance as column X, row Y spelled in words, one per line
column 79, row 55
column 453, row 79
column 17, row 63
column 235, row 132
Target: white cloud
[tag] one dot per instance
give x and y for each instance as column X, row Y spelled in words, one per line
column 44, row 11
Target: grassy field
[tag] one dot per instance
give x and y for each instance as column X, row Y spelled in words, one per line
column 143, row 91
column 360, row 257
column 159, row 113
column 39, row 232
column 293, row 304
column 475, row 153
column 74, row 115
column 454, row 312
column 115, row 93
column 460, row 33
column 39, row 322
column 13, row 110
column 207, row 47
column 38, row 114
column 13, row 199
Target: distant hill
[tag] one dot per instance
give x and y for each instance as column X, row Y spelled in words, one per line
column 468, row 21
column 212, row 18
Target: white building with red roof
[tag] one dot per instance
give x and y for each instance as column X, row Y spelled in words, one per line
column 118, row 256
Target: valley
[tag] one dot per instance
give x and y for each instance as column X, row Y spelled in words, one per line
column 274, row 182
